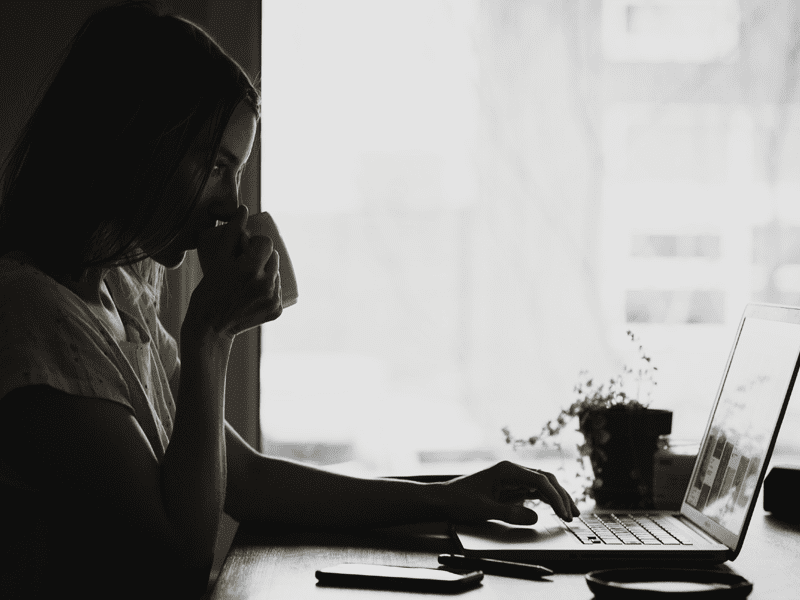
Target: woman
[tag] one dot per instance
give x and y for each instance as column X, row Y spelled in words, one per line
column 114, row 451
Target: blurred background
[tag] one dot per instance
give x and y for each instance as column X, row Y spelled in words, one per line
column 481, row 198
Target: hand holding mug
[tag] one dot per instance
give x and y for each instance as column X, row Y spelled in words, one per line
column 262, row 224
column 241, row 285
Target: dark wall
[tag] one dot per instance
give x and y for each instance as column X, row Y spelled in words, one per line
column 34, row 33
column 33, row 36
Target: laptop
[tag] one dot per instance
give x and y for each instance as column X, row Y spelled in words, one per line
column 718, row 503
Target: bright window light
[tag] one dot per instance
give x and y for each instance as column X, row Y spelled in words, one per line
column 478, row 204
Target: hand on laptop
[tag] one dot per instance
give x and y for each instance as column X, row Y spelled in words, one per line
column 499, row 492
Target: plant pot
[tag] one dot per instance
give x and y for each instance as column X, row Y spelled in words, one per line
column 622, row 441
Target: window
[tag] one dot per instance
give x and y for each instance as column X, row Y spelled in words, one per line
column 669, row 30
column 675, row 246
column 479, row 203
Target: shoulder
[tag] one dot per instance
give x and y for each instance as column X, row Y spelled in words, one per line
column 35, row 309
column 47, row 336
column 34, row 304
column 26, row 288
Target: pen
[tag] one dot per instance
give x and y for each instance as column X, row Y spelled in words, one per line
column 495, row 567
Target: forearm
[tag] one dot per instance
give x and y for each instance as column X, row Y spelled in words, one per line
column 194, row 470
column 284, row 492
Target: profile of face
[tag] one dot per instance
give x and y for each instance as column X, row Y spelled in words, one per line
column 220, row 196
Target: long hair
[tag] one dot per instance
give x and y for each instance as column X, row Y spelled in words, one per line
column 93, row 178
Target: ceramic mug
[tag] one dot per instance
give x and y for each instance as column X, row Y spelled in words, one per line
column 263, row 224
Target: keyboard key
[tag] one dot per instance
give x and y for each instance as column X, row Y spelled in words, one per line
column 669, row 530
column 669, row 541
column 625, row 529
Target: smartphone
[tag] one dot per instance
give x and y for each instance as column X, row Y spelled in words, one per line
column 399, row 578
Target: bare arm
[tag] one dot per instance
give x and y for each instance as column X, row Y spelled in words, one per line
column 288, row 493
column 193, row 472
column 100, row 478
column 238, row 292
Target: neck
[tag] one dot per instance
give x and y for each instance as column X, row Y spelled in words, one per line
column 90, row 287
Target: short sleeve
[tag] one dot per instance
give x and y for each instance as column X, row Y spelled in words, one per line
column 44, row 340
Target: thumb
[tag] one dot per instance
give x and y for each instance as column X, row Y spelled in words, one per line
column 208, row 245
column 516, row 514
column 210, row 236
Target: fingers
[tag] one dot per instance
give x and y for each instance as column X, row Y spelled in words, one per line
column 551, row 495
column 260, row 258
column 241, row 286
column 261, row 264
column 517, row 514
column 534, row 483
column 263, row 311
column 572, row 510
column 206, row 245
column 236, row 228
column 272, row 268
column 538, row 483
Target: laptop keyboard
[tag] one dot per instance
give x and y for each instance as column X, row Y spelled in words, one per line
column 634, row 530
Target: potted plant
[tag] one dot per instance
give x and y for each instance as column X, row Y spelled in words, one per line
column 620, row 435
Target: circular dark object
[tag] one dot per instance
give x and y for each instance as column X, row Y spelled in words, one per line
column 648, row 583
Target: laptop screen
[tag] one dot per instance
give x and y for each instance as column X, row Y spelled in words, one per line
column 741, row 429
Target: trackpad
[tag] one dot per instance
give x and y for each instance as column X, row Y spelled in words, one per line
column 501, row 535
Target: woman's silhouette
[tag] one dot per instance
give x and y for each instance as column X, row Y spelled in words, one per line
column 115, row 455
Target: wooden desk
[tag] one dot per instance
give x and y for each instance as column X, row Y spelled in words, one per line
column 268, row 565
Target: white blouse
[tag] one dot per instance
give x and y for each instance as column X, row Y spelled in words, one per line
column 48, row 335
